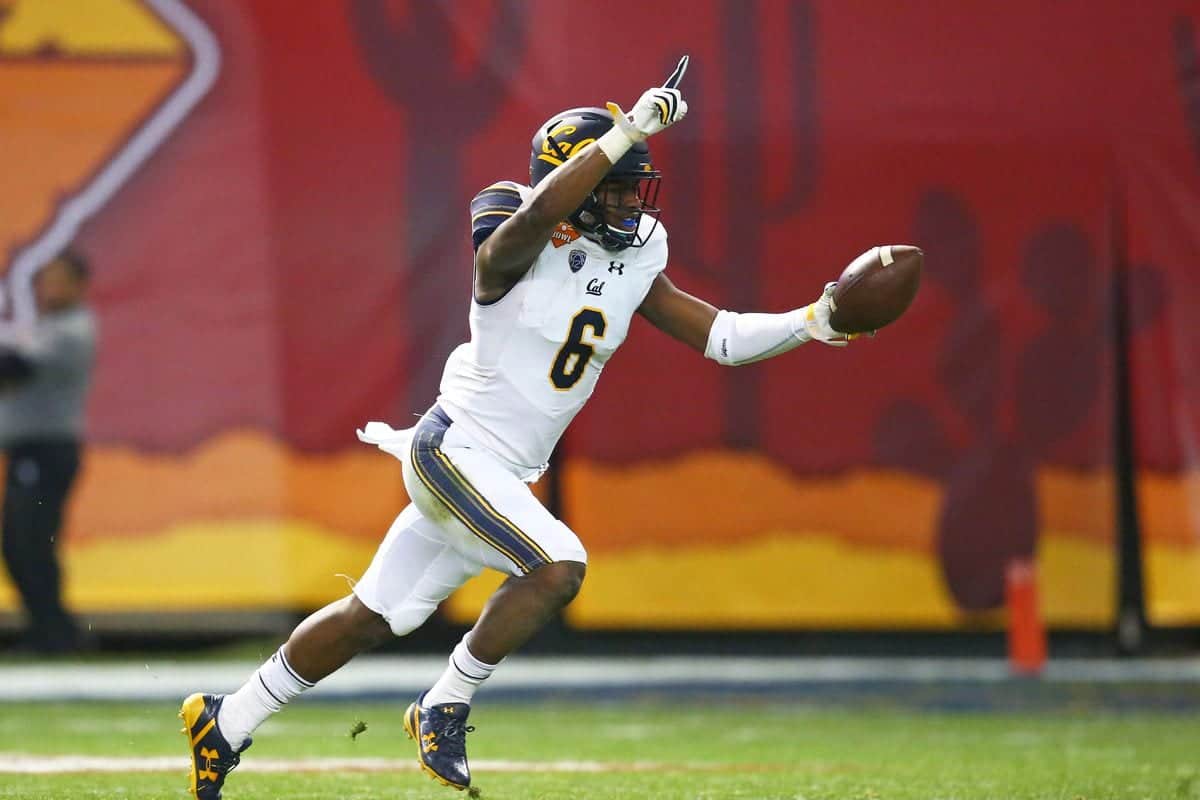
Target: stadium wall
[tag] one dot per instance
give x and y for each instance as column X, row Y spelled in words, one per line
column 275, row 200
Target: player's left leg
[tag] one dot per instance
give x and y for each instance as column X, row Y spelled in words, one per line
column 494, row 514
column 521, row 607
column 513, row 614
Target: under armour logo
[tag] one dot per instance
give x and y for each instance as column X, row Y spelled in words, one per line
column 207, row 774
column 595, row 287
column 617, row 267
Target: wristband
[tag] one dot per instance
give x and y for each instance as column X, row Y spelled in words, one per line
column 614, row 144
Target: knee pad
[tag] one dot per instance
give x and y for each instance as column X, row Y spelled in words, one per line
column 409, row 615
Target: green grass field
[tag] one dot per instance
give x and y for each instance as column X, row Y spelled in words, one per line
column 708, row 750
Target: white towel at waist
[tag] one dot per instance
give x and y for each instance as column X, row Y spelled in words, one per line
column 387, row 438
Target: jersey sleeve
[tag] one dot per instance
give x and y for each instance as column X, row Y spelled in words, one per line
column 654, row 253
column 652, row 260
column 491, row 207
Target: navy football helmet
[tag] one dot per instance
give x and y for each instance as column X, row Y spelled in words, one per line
column 568, row 132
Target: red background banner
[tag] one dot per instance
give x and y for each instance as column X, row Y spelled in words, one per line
column 295, row 260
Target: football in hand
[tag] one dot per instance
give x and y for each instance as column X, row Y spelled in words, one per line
column 876, row 288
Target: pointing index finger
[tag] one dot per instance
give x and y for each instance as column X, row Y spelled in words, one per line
column 677, row 75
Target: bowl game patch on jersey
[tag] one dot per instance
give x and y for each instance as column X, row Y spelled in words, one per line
column 563, row 234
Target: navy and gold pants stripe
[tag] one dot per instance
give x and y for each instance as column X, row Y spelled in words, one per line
column 439, row 475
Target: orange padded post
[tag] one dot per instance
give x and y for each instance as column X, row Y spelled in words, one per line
column 1026, row 632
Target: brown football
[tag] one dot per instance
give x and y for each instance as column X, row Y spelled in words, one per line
column 876, row 288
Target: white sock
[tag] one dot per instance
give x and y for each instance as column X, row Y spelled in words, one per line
column 460, row 680
column 269, row 689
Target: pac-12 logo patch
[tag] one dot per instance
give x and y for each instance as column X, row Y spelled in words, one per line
column 576, row 260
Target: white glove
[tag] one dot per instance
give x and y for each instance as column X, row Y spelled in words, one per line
column 815, row 318
column 656, row 110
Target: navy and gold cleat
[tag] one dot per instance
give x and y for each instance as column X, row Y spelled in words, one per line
column 212, row 757
column 441, row 735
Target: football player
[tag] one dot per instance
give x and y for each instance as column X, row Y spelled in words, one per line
column 561, row 265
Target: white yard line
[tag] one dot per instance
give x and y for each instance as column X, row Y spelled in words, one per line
column 24, row 764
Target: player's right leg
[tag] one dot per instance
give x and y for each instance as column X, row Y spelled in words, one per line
column 412, row 572
column 218, row 727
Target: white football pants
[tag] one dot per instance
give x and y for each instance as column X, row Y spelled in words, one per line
column 469, row 510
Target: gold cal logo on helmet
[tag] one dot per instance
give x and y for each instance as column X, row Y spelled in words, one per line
column 550, row 155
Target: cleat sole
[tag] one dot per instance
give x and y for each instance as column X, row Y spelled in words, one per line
column 429, row 771
column 410, row 722
column 190, row 704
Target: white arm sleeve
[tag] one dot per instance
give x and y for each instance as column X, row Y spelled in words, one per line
column 736, row 339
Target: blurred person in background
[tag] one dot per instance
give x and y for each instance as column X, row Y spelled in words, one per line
column 45, row 371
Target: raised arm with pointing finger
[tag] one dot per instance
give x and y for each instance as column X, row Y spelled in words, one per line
column 577, row 168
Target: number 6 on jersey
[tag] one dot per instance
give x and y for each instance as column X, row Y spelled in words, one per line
column 571, row 359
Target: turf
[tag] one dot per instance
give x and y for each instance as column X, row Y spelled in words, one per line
column 716, row 749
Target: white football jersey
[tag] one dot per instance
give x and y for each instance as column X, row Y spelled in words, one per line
column 536, row 353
